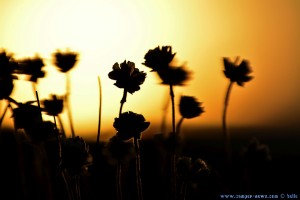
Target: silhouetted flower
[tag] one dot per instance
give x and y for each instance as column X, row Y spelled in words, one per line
column 237, row 73
column 174, row 75
column 75, row 155
column 117, row 150
column 130, row 125
column 26, row 116
column 189, row 107
column 53, row 106
column 7, row 67
column 189, row 170
column 7, row 64
column 256, row 153
column 41, row 131
column 32, row 67
column 158, row 59
column 65, row 61
column 127, row 76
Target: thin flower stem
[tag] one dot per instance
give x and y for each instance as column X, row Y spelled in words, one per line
column 100, row 110
column 77, row 187
column 224, row 125
column 4, row 112
column 118, row 180
column 173, row 155
column 183, row 191
column 67, row 184
column 179, row 126
column 68, row 91
column 164, row 115
column 123, row 100
column 138, row 169
column 39, row 105
column 61, row 125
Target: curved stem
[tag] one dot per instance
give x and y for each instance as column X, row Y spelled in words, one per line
column 164, row 115
column 173, row 155
column 61, row 126
column 224, row 126
column 3, row 114
column 118, row 180
column 123, row 100
column 68, row 91
column 138, row 169
column 100, row 110
column 179, row 126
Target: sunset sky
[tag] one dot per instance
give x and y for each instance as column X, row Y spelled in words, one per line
column 265, row 32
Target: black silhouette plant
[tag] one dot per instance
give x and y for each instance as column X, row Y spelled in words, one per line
column 75, row 160
column 159, row 60
column 189, row 108
column 7, row 67
column 53, row 107
column 131, row 125
column 65, row 61
column 127, row 77
column 238, row 73
column 190, row 171
column 32, row 67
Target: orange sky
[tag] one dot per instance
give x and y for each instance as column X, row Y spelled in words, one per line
column 266, row 32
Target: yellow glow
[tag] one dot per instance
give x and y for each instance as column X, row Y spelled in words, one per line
column 201, row 32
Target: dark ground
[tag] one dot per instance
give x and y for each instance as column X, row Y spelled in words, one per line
column 24, row 175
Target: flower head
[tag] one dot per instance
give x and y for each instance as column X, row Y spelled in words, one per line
column 118, row 150
column 190, row 170
column 189, row 107
column 130, row 125
column 65, row 61
column 75, row 155
column 7, row 63
column 26, row 116
column 237, row 73
column 32, row 67
column 174, row 75
column 158, row 59
column 127, row 76
column 53, row 106
column 7, row 67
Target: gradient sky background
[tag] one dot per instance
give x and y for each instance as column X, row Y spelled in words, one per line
column 265, row 32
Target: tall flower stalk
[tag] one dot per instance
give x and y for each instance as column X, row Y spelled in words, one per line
column 100, row 111
column 237, row 73
column 189, row 108
column 130, row 125
column 129, row 79
column 159, row 60
column 65, row 62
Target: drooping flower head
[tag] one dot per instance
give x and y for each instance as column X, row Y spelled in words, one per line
column 159, row 58
column 127, row 76
column 75, row 155
column 174, row 75
column 130, row 125
column 65, row 61
column 189, row 107
column 238, row 73
column 53, row 106
column 32, row 67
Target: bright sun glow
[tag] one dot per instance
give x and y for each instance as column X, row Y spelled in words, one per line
column 201, row 33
